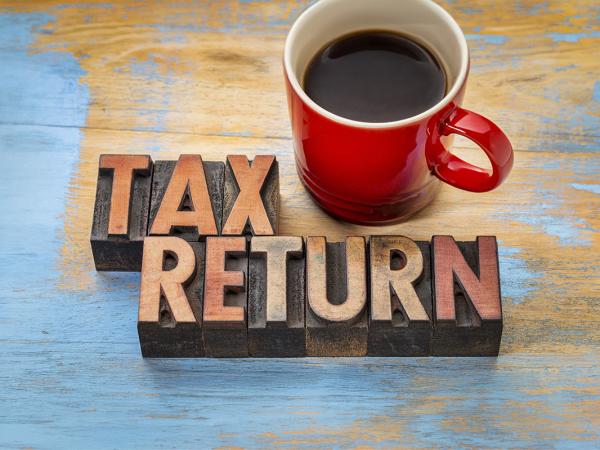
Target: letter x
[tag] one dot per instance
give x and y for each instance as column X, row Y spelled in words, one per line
column 249, row 206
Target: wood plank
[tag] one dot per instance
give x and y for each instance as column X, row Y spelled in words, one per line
column 216, row 68
column 78, row 80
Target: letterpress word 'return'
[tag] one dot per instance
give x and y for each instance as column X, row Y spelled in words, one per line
column 217, row 282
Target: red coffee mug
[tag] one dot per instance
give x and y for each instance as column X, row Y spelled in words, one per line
column 376, row 173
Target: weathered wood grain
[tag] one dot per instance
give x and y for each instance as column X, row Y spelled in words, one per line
column 276, row 296
column 468, row 307
column 171, row 298
column 187, row 198
column 251, row 196
column 225, row 331
column 336, row 297
column 79, row 80
column 198, row 54
column 121, row 210
column 401, row 297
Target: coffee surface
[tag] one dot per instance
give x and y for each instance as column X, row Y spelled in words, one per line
column 375, row 76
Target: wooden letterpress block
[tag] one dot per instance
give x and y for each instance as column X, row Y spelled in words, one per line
column 187, row 198
column 225, row 326
column 170, row 313
column 336, row 315
column 251, row 199
column 276, row 291
column 121, row 211
column 400, row 317
column 468, row 308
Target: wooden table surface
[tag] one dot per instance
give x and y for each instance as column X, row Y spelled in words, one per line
column 165, row 78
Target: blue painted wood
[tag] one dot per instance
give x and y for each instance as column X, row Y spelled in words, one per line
column 92, row 394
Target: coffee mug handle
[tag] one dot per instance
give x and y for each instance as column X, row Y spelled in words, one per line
column 453, row 170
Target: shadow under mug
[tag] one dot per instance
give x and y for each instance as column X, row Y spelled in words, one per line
column 377, row 173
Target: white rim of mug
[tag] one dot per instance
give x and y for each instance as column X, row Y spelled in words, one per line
column 456, row 86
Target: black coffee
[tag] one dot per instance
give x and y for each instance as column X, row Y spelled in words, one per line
column 375, row 76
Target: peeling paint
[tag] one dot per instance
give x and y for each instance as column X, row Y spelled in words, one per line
column 518, row 281
column 573, row 37
column 487, row 38
column 593, row 188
